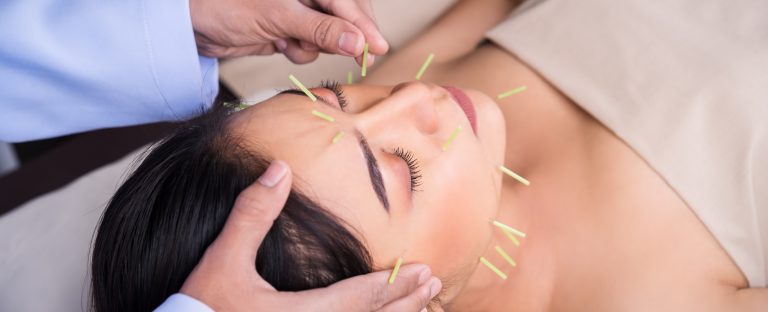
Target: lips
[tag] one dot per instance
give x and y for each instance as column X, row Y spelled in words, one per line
column 466, row 105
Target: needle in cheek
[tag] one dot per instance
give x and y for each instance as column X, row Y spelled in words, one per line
column 395, row 270
column 337, row 137
column 451, row 138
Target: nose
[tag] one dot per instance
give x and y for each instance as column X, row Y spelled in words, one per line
column 411, row 104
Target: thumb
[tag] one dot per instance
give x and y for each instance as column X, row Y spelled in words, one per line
column 414, row 285
column 330, row 33
column 256, row 208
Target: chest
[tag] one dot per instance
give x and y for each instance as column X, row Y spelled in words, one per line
column 610, row 230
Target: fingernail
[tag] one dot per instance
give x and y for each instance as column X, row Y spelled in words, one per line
column 281, row 45
column 424, row 275
column 424, row 310
column 348, row 43
column 274, row 173
column 434, row 287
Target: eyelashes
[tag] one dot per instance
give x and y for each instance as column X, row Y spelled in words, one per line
column 335, row 86
column 413, row 167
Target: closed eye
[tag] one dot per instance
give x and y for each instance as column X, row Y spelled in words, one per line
column 413, row 167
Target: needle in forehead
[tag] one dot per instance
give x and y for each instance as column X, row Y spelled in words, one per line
column 302, row 87
column 323, row 116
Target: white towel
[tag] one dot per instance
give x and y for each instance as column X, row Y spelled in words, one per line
column 684, row 83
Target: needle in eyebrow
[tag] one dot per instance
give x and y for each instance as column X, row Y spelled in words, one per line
column 349, row 77
column 322, row 115
column 505, row 227
column 512, row 92
column 505, row 255
column 424, row 66
column 451, row 138
column 395, row 270
column 514, row 175
column 493, row 268
column 302, row 87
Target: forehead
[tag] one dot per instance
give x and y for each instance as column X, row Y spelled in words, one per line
column 333, row 175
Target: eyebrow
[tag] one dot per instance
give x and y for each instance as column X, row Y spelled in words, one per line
column 374, row 172
column 373, row 166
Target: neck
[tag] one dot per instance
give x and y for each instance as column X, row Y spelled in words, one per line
column 530, row 282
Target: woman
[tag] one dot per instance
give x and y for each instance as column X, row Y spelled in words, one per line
column 605, row 230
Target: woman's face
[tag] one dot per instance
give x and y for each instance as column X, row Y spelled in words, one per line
column 445, row 220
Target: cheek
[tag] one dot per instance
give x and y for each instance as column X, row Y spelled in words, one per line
column 453, row 226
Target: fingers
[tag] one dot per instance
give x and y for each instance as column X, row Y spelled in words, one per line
column 300, row 52
column 329, row 33
column 360, row 14
column 256, row 208
column 417, row 300
column 371, row 60
column 371, row 292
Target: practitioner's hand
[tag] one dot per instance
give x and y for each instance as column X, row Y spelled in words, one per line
column 297, row 28
column 226, row 277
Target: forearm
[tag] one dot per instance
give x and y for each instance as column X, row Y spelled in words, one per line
column 70, row 66
column 461, row 28
column 452, row 36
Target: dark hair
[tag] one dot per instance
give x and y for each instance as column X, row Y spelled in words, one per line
column 158, row 224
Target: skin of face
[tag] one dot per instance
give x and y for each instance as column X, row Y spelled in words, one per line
column 446, row 222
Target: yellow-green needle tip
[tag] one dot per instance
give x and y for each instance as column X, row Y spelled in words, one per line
column 451, row 138
column 505, row 256
column 337, row 137
column 512, row 92
column 424, row 66
column 508, row 228
column 365, row 60
column 514, row 175
column 395, row 270
column 493, row 268
column 302, row 88
column 323, row 115
column 349, row 77
column 511, row 237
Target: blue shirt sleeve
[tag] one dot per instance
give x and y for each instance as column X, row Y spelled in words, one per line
column 182, row 303
column 75, row 65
